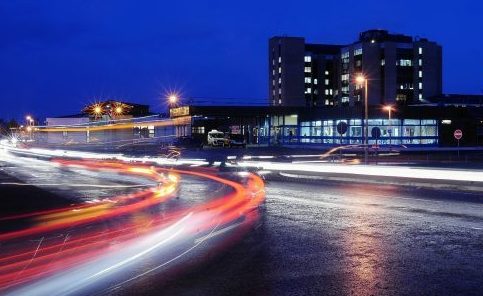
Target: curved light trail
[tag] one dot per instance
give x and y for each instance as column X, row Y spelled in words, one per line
column 94, row 246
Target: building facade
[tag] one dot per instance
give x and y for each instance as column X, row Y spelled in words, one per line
column 400, row 70
column 302, row 74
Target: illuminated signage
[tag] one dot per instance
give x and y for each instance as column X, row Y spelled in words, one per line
column 179, row 111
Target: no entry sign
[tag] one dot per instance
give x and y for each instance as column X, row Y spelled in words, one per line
column 458, row 134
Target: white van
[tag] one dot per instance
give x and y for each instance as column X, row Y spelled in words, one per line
column 216, row 138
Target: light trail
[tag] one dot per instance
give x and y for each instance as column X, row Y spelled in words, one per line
column 371, row 170
column 78, row 252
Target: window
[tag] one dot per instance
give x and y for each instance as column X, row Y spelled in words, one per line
column 327, row 82
column 279, row 69
column 279, row 80
column 308, row 59
column 345, row 77
column 420, row 50
column 279, row 91
column 273, row 62
column 327, row 92
column 273, row 72
column 344, row 99
column 330, row 91
column 308, row 90
column 279, row 59
column 420, row 62
column 420, row 96
column 326, row 72
column 383, row 62
column 315, row 81
column 420, row 74
column 358, row 51
column 420, row 85
column 344, row 55
column 405, row 63
column 308, row 80
column 308, row 69
column 280, row 101
column 273, row 82
column 327, row 101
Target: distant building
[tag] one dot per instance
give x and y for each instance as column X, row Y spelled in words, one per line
column 400, row 70
column 302, row 74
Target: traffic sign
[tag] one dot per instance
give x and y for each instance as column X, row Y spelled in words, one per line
column 458, row 134
column 342, row 127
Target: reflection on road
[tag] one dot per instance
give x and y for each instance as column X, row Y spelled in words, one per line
column 99, row 245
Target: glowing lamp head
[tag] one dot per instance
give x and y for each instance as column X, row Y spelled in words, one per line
column 29, row 128
column 360, row 79
column 118, row 110
column 388, row 108
column 97, row 110
column 29, row 118
column 173, row 99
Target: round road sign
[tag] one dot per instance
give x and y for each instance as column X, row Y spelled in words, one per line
column 458, row 134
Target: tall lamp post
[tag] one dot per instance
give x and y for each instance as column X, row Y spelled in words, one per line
column 360, row 79
column 30, row 123
column 389, row 109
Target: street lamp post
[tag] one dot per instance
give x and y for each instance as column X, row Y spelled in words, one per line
column 389, row 109
column 361, row 79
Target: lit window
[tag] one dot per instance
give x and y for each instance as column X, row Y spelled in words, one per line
column 280, row 101
column 420, row 96
column 279, row 59
column 446, row 121
column 279, row 69
column 326, row 72
column 344, row 55
column 383, row 62
column 273, row 82
column 308, row 80
column 308, row 69
column 358, row 51
column 327, row 82
column 308, row 90
column 307, row 59
column 273, row 62
column 327, row 101
column 279, row 91
column 345, row 77
column 405, row 63
column 279, row 80
column 273, row 72
column 420, row 85
column 420, row 62
column 330, row 91
column 344, row 99
column 326, row 91
column 315, row 81
column 420, row 73
column 420, row 50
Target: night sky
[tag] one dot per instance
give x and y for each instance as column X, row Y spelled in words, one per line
column 58, row 56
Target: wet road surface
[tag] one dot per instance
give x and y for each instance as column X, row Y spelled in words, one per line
column 325, row 239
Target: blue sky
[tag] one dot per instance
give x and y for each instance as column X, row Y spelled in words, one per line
column 58, row 56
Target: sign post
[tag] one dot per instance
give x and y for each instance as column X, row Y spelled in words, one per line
column 341, row 129
column 458, row 134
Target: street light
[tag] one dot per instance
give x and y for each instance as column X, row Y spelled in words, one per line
column 389, row 109
column 361, row 79
column 173, row 99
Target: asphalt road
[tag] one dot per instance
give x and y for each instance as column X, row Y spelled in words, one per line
column 331, row 239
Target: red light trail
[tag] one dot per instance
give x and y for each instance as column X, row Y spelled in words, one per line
column 52, row 242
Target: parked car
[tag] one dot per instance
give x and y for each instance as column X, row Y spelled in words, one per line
column 237, row 140
column 216, row 138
